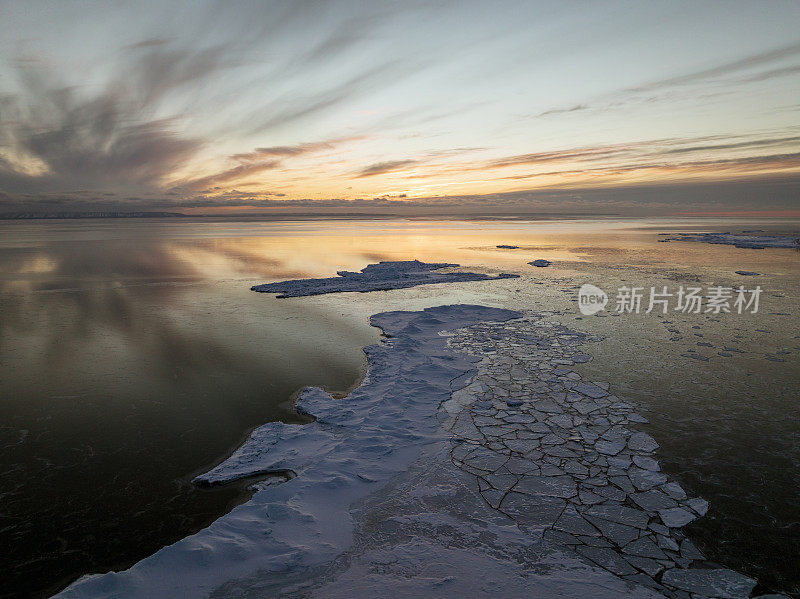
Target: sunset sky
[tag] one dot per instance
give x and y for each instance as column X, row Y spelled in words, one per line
column 601, row 107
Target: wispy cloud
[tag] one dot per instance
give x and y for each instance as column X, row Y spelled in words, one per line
column 381, row 168
column 556, row 156
column 295, row 150
column 150, row 43
column 257, row 162
column 732, row 73
column 287, row 110
column 728, row 68
column 756, row 143
column 576, row 108
column 717, row 169
column 233, row 174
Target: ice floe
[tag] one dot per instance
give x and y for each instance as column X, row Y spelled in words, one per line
column 377, row 277
column 541, row 263
column 749, row 241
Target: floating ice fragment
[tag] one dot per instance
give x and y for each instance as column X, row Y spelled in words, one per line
column 376, row 277
column 674, row 490
column 653, row 500
column 642, row 442
column 689, row 551
column 590, row 390
column 698, row 505
column 676, row 517
column 646, row 479
column 646, row 463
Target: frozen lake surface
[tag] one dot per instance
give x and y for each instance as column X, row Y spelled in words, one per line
column 140, row 359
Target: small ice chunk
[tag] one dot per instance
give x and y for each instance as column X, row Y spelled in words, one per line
column 590, row 390
column 676, row 517
column 642, row 442
column 646, row 479
column 689, row 551
column 646, row 463
column 698, row 505
column 674, row 490
column 609, row 447
column 653, row 500
column 667, row 543
column 623, row 462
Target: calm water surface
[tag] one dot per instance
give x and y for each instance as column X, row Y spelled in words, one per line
column 133, row 356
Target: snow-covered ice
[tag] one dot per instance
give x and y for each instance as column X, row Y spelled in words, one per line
column 377, row 277
column 472, row 460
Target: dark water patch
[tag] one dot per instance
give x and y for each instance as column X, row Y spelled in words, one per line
column 120, row 387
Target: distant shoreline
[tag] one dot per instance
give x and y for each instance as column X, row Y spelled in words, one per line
column 300, row 216
column 377, row 216
column 76, row 215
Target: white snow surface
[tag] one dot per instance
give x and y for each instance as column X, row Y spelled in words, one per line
column 376, row 507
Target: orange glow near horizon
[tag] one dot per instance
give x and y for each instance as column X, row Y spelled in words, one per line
column 459, row 178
